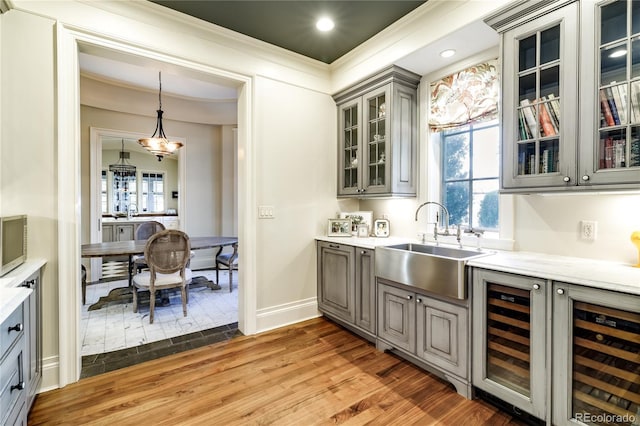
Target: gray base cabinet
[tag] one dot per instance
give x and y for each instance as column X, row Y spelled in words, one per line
column 13, row 387
column 33, row 353
column 427, row 330
column 346, row 286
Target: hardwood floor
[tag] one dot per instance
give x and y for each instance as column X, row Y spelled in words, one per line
column 311, row 373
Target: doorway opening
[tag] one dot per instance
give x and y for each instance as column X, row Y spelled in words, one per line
column 206, row 187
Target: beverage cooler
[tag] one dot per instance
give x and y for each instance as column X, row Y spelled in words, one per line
column 596, row 357
column 509, row 339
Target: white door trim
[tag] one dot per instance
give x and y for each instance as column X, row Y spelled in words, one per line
column 69, row 41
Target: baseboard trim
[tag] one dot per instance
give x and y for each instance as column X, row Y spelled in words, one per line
column 286, row 314
column 50, row 374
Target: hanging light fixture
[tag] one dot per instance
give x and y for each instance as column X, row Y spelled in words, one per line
column 159, row 145
column 122, row 168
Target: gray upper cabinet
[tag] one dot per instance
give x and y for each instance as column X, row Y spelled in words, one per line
column 377, row 135
column 550, row 141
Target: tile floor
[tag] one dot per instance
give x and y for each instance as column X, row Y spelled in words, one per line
column 116, row 326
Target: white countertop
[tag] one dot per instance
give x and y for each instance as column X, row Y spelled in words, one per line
column 588, row 272
column 10, row 299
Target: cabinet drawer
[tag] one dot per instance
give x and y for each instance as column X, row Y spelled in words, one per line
column 8, row 330
column 12, row 388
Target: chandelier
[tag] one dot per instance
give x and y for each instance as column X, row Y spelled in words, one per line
column 122, row 168
column 158, row 144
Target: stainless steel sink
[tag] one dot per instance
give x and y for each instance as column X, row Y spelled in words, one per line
column 435, row 269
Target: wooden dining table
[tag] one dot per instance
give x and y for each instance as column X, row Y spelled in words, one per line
column 134, row 247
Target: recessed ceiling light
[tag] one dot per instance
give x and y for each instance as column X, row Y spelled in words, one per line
column 325, row 24
column 447, row 53
column 617, row 53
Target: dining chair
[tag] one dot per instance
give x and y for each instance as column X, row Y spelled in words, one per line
column 167, row 254
column 228, row 260
column 143, row 232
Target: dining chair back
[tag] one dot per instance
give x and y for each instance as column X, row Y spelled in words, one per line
column 143, row 232
column 167, row 254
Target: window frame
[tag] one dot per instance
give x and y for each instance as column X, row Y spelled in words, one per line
column 141, row 193
column 469, row 129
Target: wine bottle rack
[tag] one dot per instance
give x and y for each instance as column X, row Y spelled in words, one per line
column 508, row 337
column 606, row 362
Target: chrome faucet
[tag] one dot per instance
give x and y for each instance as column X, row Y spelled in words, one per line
column 436, row 230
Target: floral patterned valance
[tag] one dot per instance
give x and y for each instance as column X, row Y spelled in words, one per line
column 467, row 96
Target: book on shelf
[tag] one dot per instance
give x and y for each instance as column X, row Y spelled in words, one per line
column 606, row 110
column 620, row 104
column 545, row 161
column 634, row 102
column 546, row 123
column 530, row 117
column 612, row 106
column 522, row 126
column 554, row 108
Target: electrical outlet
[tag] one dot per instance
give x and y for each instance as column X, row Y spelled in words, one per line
column 588, row 230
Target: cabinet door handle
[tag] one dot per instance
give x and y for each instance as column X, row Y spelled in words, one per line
column 334, row 246
column 29, row 283
column 566, row 179
column 536, row 286
column 17, row 327
column 19, row 386
column 585, row 178
column 418, row 300
column 409, row 297
column 363, row 252
column 560, row 291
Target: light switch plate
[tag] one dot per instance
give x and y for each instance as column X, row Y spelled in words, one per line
column 266, row 212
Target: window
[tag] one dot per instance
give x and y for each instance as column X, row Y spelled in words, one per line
column 104, row 196
column 152, row 192
column 470, row 164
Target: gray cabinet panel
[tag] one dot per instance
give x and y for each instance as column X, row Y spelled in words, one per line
column 365, row 289
column 396, row 317
column 33, row 358
column 108, row 233
column 336, row 280
column 442, row 335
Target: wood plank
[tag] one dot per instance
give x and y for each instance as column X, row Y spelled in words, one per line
column 608, row 408
column 512, row 352
column 313, row 372
column 609, row 350
column 522, row 373
column 612, row 389
column 509, row 336
column 509, row 305
column 608, row 369
column 609, row 331
column 612, row 312
column 509, row 290
column 509, row 321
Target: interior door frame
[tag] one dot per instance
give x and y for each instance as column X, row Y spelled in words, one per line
column 68, row 45
column 96, row 134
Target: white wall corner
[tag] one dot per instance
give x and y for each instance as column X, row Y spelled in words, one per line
column 286, row 314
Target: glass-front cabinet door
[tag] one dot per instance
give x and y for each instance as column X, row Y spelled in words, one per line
column 509, row 339
column 612, row 107
column 375, row 167
column 540, row 99
column 349, row 169
column 596, row 340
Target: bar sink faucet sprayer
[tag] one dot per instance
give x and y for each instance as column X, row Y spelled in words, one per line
column 436, row 230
